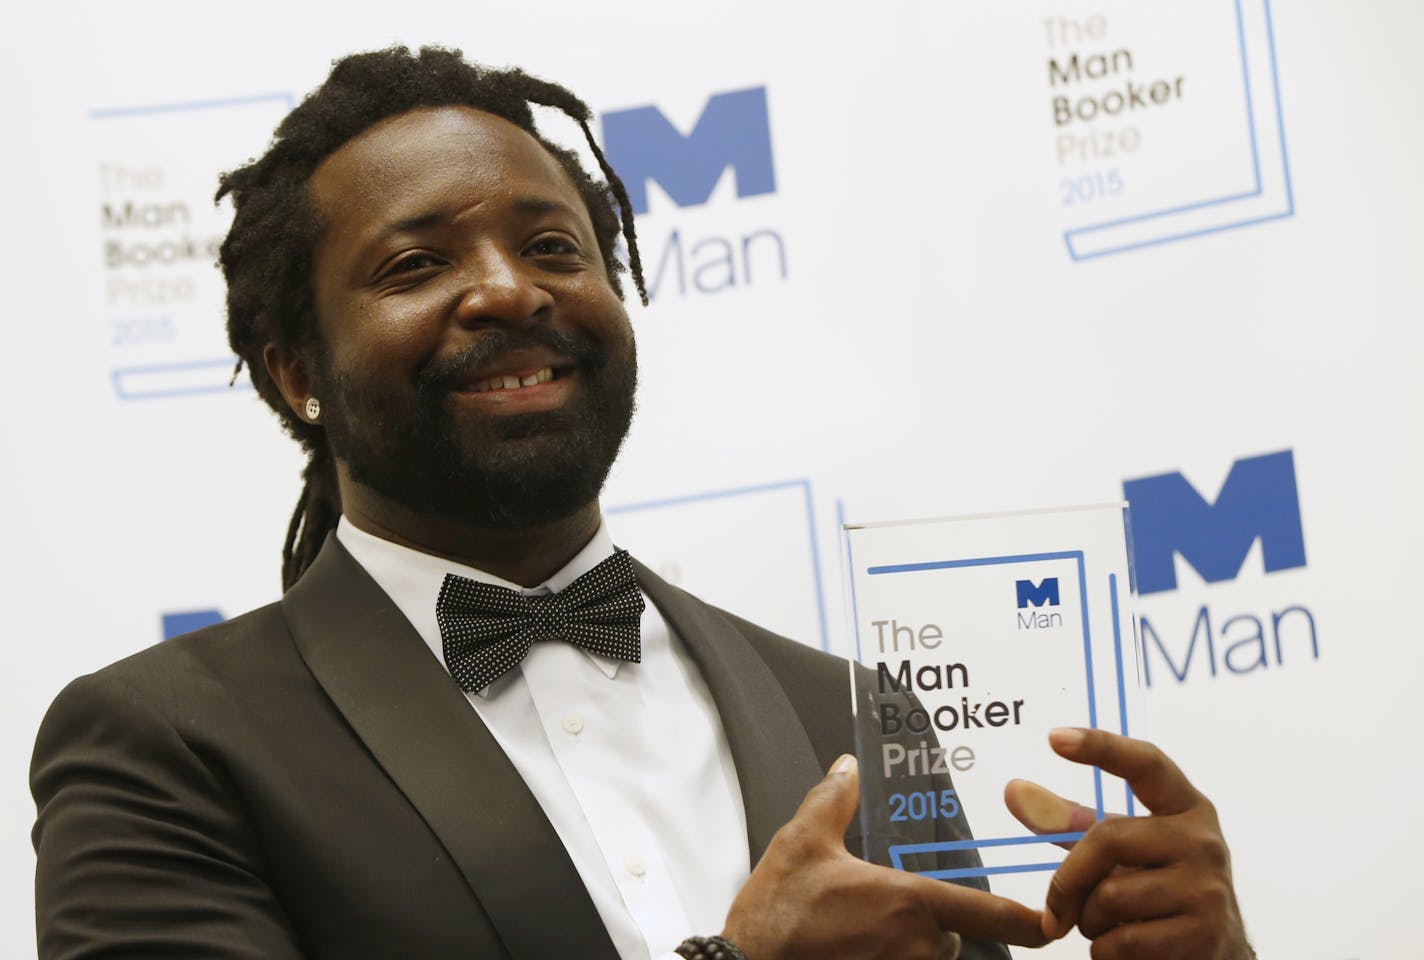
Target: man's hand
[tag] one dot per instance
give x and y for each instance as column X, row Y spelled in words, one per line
column 809, row 897
column 1155, row 887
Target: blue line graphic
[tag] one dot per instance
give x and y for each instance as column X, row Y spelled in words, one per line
column 816, row 565
column 1070, row 235
column 900, row 851
column 990, row 871
column 1280, row 115
column 897, row 852
column 1121, row 684
column 975, row 562
column 709, row 495
column 804, row 485
column 854, row 605
column 1092, row 687
column 118, row 374
column 1250, row 102
column 110, row 113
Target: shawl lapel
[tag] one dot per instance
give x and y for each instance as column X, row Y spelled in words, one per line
column 772, row 753
column 415, row 721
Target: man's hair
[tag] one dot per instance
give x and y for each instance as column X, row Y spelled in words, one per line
column 267, row 256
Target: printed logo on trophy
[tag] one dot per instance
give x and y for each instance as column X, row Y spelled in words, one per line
column 1037, row 594
column 1031, row 598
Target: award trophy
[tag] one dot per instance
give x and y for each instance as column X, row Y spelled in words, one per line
column 974, row 638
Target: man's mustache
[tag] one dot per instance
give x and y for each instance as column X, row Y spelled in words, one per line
column 450, row 370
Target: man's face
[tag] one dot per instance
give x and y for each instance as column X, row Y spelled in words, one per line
column 477, row 364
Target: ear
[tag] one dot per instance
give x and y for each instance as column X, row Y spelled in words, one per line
column 292, row 375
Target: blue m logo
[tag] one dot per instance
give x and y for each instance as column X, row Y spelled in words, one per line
column 1258, row 500
column 1037, row 594
column 177, row 624
column 733, row 131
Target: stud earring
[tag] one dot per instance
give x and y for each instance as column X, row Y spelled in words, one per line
column 313, row 408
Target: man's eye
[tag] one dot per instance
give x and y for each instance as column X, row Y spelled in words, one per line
column 552, row 246
column 412, row 262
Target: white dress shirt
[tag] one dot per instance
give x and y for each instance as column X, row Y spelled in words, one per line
column 627, row 760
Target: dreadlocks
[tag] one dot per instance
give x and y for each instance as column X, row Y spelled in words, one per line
column 267, row 256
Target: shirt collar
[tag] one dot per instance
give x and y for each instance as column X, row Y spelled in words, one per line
column 412, row 579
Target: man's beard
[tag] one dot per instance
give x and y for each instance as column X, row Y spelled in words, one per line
column 503, row 472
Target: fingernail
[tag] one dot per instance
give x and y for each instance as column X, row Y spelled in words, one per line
column 1050, row 924
column 1066, row 738
column 1046, row 812
column 845, row 763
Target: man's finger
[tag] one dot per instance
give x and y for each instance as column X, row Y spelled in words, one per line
column 1043, row 811
column 1171, row 938
column 980, row 915
column 1133, row 896
column 1124, row 841
column 830, row 804
column 1156, row 780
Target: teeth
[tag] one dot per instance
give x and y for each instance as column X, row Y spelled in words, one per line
column 542, row 375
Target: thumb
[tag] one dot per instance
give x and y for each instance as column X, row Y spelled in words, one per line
column 1043, row 811
column 830, row 805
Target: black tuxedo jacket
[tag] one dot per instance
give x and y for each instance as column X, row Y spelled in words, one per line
column 306, row 780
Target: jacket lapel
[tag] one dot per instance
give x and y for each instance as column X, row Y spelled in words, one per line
column 417, row 724
column 774, row 759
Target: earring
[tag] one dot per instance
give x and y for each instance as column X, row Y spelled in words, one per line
column 313, row 408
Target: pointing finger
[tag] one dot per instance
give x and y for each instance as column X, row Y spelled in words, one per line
column 981, row 915
column 1156, row 780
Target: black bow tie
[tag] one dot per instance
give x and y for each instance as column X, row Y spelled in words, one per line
column 485, row 631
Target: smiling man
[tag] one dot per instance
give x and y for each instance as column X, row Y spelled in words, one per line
column 473, row 727
column 476, row 366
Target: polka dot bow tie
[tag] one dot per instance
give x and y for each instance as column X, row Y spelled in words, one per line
column 485, row 631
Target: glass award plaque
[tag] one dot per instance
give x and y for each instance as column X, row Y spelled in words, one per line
column 974, row 637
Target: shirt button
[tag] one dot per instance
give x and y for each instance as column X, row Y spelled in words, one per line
column 635, row 867
column 573, row 725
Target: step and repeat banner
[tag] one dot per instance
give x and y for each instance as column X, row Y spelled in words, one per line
column 906, row 259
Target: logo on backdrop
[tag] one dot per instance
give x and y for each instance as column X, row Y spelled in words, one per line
column 1151, row 148
column 157, row 235
column 1258, row 501
column 1257, row 504
column 734, row 132
column 731, row 137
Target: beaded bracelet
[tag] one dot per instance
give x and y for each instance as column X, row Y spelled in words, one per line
column 709, row 948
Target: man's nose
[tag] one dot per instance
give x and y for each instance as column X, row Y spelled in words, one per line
column 501, row 288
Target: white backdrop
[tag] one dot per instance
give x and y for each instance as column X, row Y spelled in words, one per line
column 921, row 288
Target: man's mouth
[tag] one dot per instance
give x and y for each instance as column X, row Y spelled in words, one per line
column 513, row 381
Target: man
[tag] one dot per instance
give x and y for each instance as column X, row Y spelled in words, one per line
column 385, row 763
